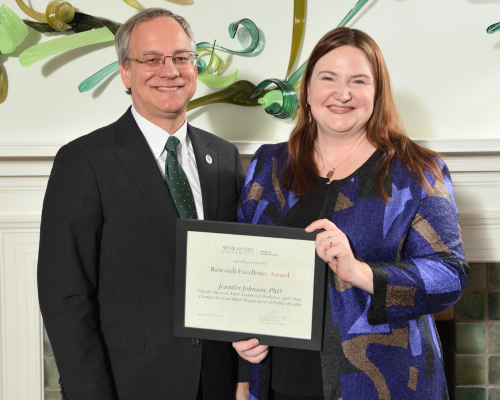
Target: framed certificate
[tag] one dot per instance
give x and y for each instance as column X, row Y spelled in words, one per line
column 239, row 281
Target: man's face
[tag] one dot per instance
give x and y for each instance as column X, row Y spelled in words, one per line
column 164, row 94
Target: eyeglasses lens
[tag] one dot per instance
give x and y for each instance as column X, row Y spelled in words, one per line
column 154, row 62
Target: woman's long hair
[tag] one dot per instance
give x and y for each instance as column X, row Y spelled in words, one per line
column 385, row 130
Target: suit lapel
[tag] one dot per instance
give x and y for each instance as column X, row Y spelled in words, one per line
column 208, row 173
column 136, row 157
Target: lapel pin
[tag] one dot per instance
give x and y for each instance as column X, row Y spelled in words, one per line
column 209, row 159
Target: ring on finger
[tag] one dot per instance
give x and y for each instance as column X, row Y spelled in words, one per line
column 330, row 239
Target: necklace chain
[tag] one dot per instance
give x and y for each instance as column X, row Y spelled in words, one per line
column 330, row 173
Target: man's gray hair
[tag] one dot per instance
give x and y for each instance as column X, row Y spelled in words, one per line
column 122, row 37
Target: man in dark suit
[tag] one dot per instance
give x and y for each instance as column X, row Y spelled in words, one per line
column 107, row 240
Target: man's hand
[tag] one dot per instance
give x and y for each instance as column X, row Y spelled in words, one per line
column 251, row 350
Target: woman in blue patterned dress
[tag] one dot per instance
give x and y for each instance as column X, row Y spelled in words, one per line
column 392, row 237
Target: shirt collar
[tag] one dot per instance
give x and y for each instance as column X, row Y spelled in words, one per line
column 157, row 137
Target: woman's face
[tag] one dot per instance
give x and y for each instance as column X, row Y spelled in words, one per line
column 341, row 92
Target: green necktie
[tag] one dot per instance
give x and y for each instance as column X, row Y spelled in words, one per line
column 178, row 182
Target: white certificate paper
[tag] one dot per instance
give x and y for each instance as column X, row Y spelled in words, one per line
column 239, row 283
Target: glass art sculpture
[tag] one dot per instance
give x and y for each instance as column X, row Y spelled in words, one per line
column 92, row 81
column 183, row 2
column 89, row 30
column 80, row 23
column 299, row 17
column 12, row 33
column 57, row 14
column 132, row 3
column 61, row 16
column 493, row 28
column 289, row 105
column 236, row 94
column 211, row 80
column 233, row 28
column 4, row 84
column 43, row 50
column 12, row 30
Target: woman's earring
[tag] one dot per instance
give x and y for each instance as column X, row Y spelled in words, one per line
column 309, row 114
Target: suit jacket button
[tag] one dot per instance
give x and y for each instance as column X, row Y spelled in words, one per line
column 195, row 342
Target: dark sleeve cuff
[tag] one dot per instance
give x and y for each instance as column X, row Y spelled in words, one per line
column 377, row 313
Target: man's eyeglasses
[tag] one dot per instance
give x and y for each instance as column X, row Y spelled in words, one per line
column 155, row 62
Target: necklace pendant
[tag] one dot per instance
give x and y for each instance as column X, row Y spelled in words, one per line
column 330, row 173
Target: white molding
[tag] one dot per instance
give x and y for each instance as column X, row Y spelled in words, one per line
column 448, row 146
column 32, row 184
column 25, row 167
column 48, row 149
column 480, row 219
column 20, row 221
column 21, row 351
column 445, row 146
column 485, row 179
column 475, row 162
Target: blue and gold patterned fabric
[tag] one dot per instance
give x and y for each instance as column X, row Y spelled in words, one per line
column 385, row 345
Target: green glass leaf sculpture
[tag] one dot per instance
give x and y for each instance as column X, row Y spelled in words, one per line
column 297, row 75
column 493, row 28
column 183, row 2
column 299, row 18
column 132, row 3
column 233, row 28
column 43, row 50
column 201, row 65
column 93, row 80
column 217, row 81
column 213, row 57
column 274, row 96
column 12, row 30
column 359, row 5
column 236, row 94
column 3, row 84
column 214, row 81
column 289, row 105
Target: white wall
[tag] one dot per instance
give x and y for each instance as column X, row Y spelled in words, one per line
column 445, row 68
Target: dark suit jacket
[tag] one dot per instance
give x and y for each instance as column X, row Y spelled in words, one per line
column 106, row 268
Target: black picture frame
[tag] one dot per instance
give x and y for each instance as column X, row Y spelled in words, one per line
column 181, row 330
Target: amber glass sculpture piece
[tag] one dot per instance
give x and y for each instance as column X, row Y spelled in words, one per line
column 58, row 13
column 297, row 75
column 299, row 17
column 236, row 94
column 3, row 84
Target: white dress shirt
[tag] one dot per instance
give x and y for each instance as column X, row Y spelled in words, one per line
column 157, row 138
